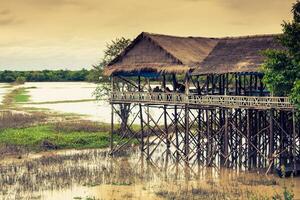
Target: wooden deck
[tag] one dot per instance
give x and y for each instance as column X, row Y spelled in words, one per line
column 249, row 102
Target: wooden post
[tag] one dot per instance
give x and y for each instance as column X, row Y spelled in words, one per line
column 226, row 143
column 261, row 86
column 271, row 138
column 212, row 84
column 112, row 117
column 198, row 86
column 245, row 87
column 220, row 84
column 240, row 84
column 223, row 83
column 227, row 84
column 148, row 123
column 294, row 143
column 208, row 136
column 187, row 124
column 141, row 116
column 207, row 83
column 248, row 113
column 176, row 118
column 199, row 136
column 165, row 116
column 256, row 129
column 236, row 84
column 250, row 85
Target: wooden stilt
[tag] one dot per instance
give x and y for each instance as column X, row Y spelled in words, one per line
column 271, row 138
column 248, row 139
column 112, row 118
column 141, row 117
column 294, row 143
column 226, row 138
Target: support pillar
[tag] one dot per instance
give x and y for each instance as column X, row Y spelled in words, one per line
column 226, row 139
column 294, row 143
column 271, row 138
column 141, row 116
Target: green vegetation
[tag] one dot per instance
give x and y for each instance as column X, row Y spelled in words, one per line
column 112, row 50
column 18, row 95
column 282, row 67
column 21, row 95
column 43, row 137
column 20, row 80
column 20, row 77
column 32, row 132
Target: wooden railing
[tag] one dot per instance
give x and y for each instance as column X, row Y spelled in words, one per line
column 206, row 100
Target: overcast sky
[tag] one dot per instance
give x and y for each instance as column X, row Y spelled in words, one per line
column 52, row 34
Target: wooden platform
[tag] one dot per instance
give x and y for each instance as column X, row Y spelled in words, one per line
column 248, row 102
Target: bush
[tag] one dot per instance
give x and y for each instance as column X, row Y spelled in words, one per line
column 20, row 80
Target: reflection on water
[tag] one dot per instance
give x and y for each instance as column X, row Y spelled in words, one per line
column 92, row 173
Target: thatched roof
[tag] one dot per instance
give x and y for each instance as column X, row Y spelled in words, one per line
column 239, row 54
column 171, row 54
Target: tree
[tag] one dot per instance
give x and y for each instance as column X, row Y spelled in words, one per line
column 103, row 89
column 112, row 50
column 282, row 67
column 20, row 80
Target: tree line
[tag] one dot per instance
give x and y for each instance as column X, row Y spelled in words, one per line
column 9, row 76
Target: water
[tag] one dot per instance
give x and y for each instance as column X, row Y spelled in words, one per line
column 3, row 90
column 47, row 94
column 59, row 91
column 58, row 96
column 72, row 174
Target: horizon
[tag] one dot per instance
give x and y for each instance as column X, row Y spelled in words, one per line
column 39, row 35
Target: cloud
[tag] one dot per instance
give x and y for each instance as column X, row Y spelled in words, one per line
column 55, row 3
column 7, row 18
column 9, row 21
column 5, row 12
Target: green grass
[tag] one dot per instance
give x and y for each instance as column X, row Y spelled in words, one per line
column 21, row 95
column 32, row 138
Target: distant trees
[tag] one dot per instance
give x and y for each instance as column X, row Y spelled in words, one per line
column 46, row 75
column 282, row 67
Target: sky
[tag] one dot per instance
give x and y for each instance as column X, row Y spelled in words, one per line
column 72, row 34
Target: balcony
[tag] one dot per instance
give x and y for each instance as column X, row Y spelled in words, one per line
column 226, row 101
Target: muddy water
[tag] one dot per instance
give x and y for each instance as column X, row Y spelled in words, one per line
column 85, row 174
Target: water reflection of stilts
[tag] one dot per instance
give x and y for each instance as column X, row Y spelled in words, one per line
column 60, row 172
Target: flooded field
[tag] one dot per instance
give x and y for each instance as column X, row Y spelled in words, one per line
column 92, row 174
column 70, row 97
column 3, row 90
